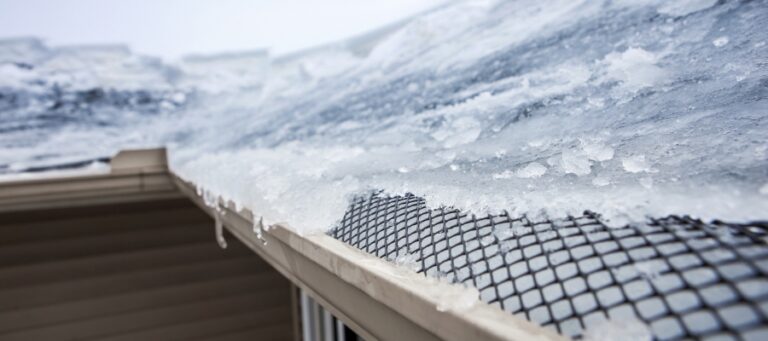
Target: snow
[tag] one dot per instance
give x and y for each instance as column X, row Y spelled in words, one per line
column 630, row 109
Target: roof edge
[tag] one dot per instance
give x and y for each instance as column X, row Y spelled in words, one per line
column 135, row 175
column 397, row 302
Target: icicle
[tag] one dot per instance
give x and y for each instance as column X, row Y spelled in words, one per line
column 220, row 232
column 258, row 229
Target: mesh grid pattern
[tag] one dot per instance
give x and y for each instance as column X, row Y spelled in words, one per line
column 682, row 277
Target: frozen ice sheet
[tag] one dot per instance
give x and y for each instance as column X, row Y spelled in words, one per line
column 629, row 109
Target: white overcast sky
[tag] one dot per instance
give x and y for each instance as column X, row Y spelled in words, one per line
column 172, row 28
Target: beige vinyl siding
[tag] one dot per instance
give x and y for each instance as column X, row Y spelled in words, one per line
column 136, row 271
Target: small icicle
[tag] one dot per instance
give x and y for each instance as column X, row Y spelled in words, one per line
column 258, row 229
column 220, row 233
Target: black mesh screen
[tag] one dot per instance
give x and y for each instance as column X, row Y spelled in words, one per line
column 683, row 277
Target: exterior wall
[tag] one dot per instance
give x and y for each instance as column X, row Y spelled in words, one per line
column 134, row 271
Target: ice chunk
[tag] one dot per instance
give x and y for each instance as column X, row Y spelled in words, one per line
column 532, row 170
column 636, row 164
column 595, row 150
column 635, row 68
column 720, row 41
column 460, row 131
column 575, row 162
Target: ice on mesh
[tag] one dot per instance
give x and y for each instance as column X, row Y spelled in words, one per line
column 456, row 298
column 407, row 260
column 649, row 269
column 629, row 109
column 612, row 330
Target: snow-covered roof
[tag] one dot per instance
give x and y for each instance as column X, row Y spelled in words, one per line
column 541, row 109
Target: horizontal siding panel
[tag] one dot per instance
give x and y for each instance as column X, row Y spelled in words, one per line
column 212, row 327
column 149, row 271
column 93, row 245
column 274, row 332
column 114, row 263
column 146, row 299
column 78, row 289
column 62, row 216
column 151, row 318
column 94, row 225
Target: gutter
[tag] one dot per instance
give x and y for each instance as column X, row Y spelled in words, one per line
column 134, row 176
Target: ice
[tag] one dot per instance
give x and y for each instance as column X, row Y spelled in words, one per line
column 635, row 68
column 611, row 330
column 597, row 151
column 646, row 182
column 601, row 181
column 457, row 299
column 217, row 74
column 259, row 228
column 219, row 229
column 532, row 170
column 575, row 162
column 720, row 42
column 507, row 174
column 629, row 109
column 636, row 164
column 649, row 269
column 408, row 260
column 684, row 7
